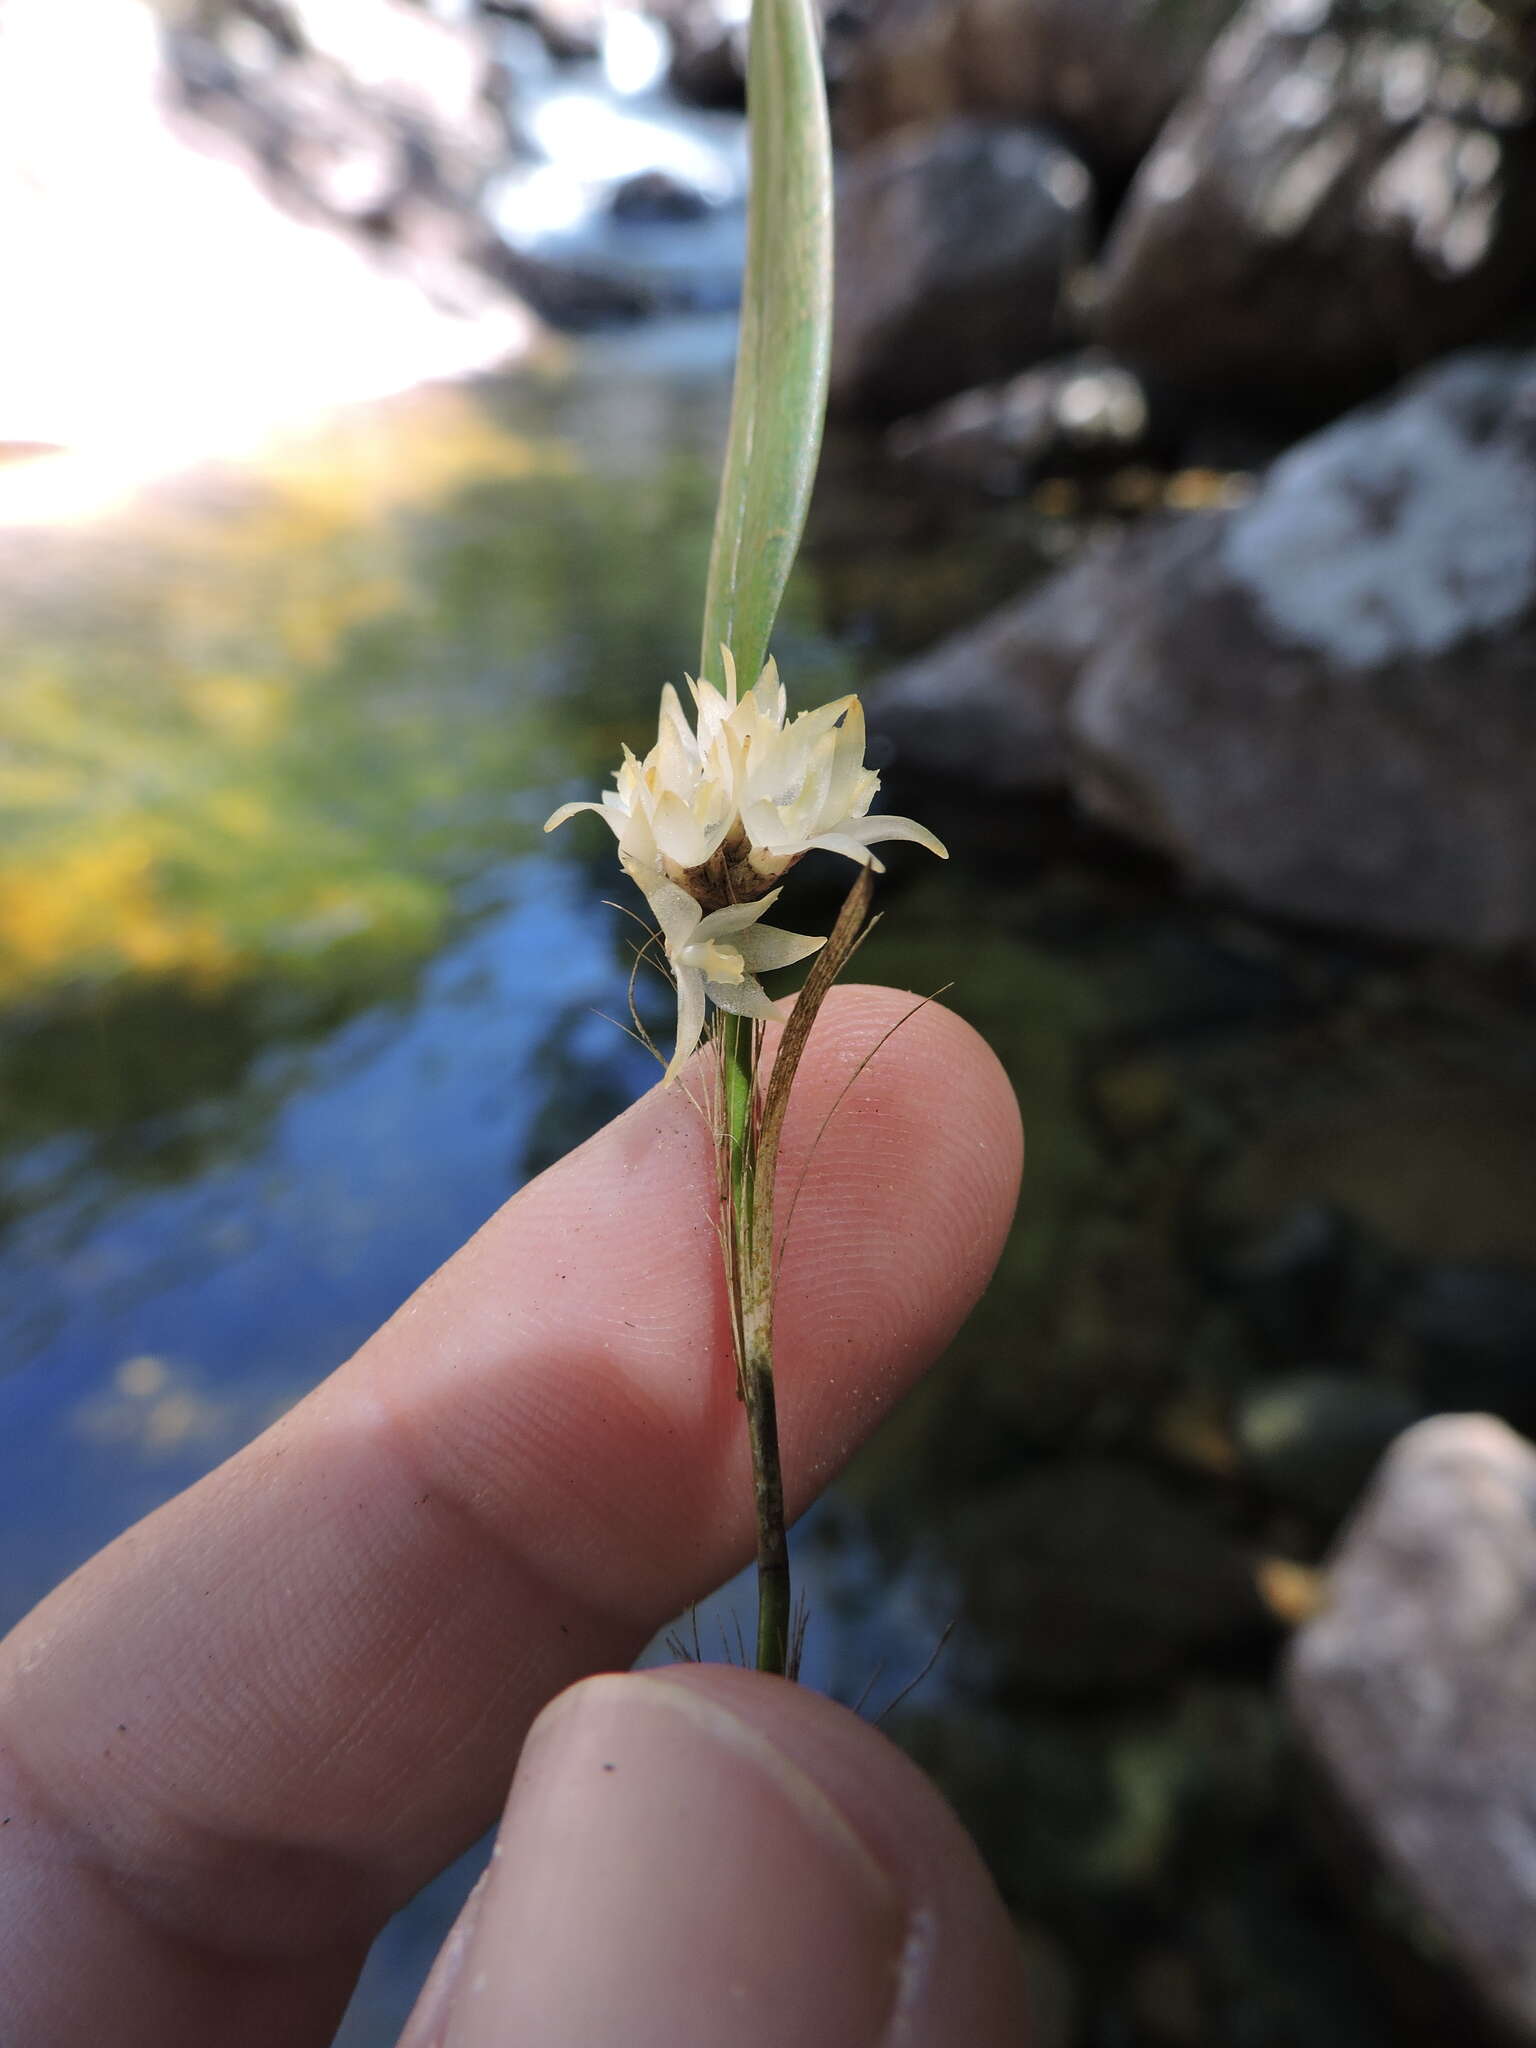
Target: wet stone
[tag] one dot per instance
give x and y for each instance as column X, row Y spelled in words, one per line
column 1415, row 1692
column 657, row 196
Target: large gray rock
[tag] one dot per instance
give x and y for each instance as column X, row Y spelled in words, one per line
column 1327, row 700
column 1324, row 702
column 990, row 704
column 954, row 244
column 1350, row 189
column 1102, row 73
column 1415, row 1690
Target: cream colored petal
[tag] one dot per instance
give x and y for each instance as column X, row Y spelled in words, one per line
column 690, row 1020
column 678, row 914
column 872, row 830
column 679, row 833
column 713, row 709
column 768, row 693
column 637, row 842
column 674, row 720
column 810, row 808
column 766, row 947
column 764, row 826
column 735, row 917
column 836, row 842
column 746, row 1000
column 676, row 753
column 607, row 812
column 853, row 785
column 811, row 725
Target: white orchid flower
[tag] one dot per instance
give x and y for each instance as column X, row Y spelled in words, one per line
column 718, row 811
column 726, row 809
column 667, row 815
column 806, row 786
column 717, row 957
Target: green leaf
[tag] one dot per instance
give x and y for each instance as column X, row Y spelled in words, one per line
column 780, row 396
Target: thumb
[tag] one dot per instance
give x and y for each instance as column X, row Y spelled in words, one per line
column 702, row 1855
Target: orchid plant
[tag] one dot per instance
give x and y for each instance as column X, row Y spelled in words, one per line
column 712, row 818
column 722, row 807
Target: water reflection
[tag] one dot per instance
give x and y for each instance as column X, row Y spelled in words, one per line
column 156, row 1327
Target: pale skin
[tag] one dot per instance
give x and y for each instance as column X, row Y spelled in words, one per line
column 244, row 1733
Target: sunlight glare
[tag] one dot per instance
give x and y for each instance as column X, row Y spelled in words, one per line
column 164, row 308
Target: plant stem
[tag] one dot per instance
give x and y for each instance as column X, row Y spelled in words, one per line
column 750, row 1278
column 738, row 1044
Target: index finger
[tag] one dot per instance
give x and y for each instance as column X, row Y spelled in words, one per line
column 267, row 1713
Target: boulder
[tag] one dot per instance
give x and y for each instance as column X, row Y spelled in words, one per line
column 954, row 245
column 1349, row 189
column 990, row 704
column 1324, row 702
column 1085, row 412
column 1414, row 1690
column 1103, row 74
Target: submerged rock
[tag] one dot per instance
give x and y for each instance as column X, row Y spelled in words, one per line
column 1323, row 701
column 1415, row 1691
column 954, row 245
column 1349, row 189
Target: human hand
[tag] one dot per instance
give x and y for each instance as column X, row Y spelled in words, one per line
column 252, row 1727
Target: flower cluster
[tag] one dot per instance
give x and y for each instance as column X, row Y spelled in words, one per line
column 718, row 812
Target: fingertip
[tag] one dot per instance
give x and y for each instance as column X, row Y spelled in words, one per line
column 963, row 1975
column 916, row 1047
column 698, row 1854
column 664, row 1875
column 896, row 1189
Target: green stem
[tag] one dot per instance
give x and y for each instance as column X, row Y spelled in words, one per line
column 738, row 1043
column 751, row 1284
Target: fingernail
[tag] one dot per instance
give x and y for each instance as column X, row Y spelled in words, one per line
column 666, row 1878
